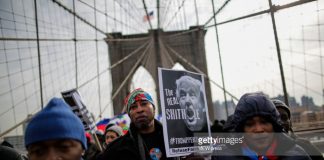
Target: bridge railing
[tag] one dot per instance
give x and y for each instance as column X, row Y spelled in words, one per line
column 298, row 127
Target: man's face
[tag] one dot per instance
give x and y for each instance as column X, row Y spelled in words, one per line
column 55, row 149
column 189, row 99
column 142, row 114
column 258, row 133
column 286, row 123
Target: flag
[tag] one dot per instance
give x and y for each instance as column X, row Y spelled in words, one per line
column 122, row 120
column 148, row 17
column 101, row 125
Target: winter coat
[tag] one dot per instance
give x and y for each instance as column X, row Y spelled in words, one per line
column 92, row 152
column 287, row 149
column 127, row 146
column 257, row 104
column 10, row 153
column 313, row 151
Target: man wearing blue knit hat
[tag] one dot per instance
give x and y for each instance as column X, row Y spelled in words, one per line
column 55, row 133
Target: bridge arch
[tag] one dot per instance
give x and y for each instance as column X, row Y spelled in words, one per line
column 178, row 66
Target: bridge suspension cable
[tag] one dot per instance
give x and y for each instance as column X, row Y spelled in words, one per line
column 133, row 69
column 166, row 9
column 174, row 15
column 220, row 59
column 199, row 71
column 215, row 13
column 165, row 52
column 129, row 55
column 127, row 11
column 147, row 14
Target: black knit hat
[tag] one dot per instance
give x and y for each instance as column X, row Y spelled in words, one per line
column 256, row 104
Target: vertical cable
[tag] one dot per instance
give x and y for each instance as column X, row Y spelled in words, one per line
column 182, row 16
column 158, row 13
column 39, row 56
column 320, row 49
column 75, row 47
column 106, row 18
column 97, row 55
column 149, row 19
column 305, row 68
column 177, row 25
column 185, row 17
column 115, row 25
column 196, row 9
column 127, row 18
column 278, row 52
column 292, row 66
column 25, row 92
column 121, row 17
column 220, row 59
column 10, row 74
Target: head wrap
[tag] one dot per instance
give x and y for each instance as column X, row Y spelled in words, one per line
column 137, row 95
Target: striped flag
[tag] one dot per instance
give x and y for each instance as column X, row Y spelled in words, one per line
column 148, row 17
column 122, row 120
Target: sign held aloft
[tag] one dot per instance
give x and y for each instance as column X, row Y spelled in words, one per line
column 73, row 99
column 184, row 110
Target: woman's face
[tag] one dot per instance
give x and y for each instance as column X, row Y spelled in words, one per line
column 110, row 136
column 258, row 133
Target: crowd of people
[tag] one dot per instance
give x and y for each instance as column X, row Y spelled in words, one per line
column 57, row 133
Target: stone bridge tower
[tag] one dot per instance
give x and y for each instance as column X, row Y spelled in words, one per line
column 159, row 48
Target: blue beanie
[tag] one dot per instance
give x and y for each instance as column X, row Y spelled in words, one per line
column 55, row 121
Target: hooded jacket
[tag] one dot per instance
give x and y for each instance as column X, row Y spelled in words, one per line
column 286, row 150
column 128, row 147
column 257, row 104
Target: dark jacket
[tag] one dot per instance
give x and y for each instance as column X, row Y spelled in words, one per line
column 8, row 153
column 92, row 152
column 313, row 151
column 257, row 104
column 287, row 150
column 127, row 146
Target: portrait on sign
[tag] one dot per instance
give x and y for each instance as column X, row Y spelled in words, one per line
column 184, row 110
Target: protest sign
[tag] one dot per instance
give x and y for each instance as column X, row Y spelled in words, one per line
column 73, row 99
column 184, row 110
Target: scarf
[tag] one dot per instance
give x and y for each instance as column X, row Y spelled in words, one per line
column 269, row 155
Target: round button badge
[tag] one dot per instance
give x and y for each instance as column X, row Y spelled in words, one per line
column 155, row 153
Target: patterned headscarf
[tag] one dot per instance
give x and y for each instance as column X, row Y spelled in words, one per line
column 137, row 95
